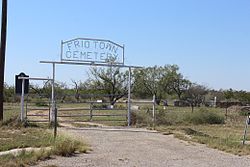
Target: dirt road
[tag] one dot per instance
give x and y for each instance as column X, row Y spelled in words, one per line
column 140, row 148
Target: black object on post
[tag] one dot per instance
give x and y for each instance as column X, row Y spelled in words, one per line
column 19, row 84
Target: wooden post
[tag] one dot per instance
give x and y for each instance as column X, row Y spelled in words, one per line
column 245, row 130
column 2, row 53
column 91, row 111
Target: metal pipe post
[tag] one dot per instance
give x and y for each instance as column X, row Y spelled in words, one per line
column 154, row 110
column 123, row 54
column 129, row 97
column 52, row 113
column 22, row 102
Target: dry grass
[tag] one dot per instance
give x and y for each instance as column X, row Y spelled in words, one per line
column 222, row 137
column 15, row 135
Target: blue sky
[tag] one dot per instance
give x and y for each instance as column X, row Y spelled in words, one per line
column 208, row 39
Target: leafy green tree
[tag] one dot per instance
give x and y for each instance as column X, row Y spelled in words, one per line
column 242, row 96
column 9, row 93
column 173, row 81
column 45, row 90
column 195, row 94
column 148, row 82
column 229, row 94
column 110, row 81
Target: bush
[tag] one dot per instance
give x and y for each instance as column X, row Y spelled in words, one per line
column 100, row 106
column 167, row 118
column 244, row 112
column 204, row 116
column 41, row 103
column 67, row 147
column 141, row 118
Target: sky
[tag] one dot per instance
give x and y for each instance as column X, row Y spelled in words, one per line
column 208, row 39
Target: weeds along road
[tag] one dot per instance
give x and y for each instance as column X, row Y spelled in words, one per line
column 127, row 148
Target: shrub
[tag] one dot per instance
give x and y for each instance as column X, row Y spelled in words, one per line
column 166, row 118
column 67, row 147
column 141, row 118
column 244, row 112
column 204, row 116
column 100, row 106
column 41, row 103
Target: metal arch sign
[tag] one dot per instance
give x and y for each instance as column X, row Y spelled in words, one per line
column 91, row 50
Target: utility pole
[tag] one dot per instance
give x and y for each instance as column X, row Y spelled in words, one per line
column 2, row 53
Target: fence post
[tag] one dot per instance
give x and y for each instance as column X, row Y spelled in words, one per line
column 153, row 110
column 245, row 130
column 55, row 123
column 91, row 112
column 129, row 97
column 27, row 99
column 52, row 112
column 22, row 102
column 49, row 108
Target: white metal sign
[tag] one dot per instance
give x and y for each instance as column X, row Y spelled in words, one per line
column 91, row 50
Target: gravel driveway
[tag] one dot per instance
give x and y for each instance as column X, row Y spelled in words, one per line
column 140, row 148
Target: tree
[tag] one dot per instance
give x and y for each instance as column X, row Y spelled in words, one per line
column 229, row 94
column 2, row 53
column 173, row 81
column 148, row 82
column 45, row 90
column 9, row 93
column 111, row 81
column 243, row 96
column 195, row 95
column 76, row 89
